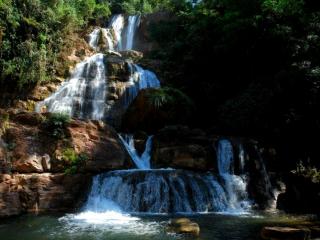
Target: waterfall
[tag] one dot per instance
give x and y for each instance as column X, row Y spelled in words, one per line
column 235, row 186
column 83, row 95
column 133, row 23
column 156, row 191
column 94, row 38
column 170, row 191
column 119, row 35
column 139, row 79
column 117, row 25
column 143, row 161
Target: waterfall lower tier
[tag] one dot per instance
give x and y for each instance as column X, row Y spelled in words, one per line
column 159, row 191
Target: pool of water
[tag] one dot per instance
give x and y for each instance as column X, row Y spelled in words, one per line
column 111, row 225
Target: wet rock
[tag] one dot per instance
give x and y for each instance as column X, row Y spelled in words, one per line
column 117, row 69
column 184, row 226
column 285, row 233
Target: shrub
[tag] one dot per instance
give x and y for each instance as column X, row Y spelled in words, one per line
column 56, row 124
column 169, row 96
column 74, row 160
column 307, row 171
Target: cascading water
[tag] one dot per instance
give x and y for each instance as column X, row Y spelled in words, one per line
column 83, row 95
column 133, row 23
column 235, row 186
column 157, row 191
column 143, row 161
column 143, row 190
column 119, row 35
column 139, row 79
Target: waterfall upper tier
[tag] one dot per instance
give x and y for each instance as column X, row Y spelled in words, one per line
column 100, row 88
column 118, row 36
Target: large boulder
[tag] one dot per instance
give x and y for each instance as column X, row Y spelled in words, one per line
column 21, row 193
column 33, row 150
column 302, row 195
column 155, row 108
column 184, row 226
column 181, row 147
column 101, row 144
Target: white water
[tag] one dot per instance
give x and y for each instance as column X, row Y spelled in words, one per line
column 156, row 191
column 139, row 79
column 133, row 23
column 241, row 158
column 161, row 191
column 83, row 95
column 143, row 161
column 119, row 35
column 235, row 186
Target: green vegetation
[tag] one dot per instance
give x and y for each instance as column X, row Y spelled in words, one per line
column 251, row 67
column 252, row 64
column 74, row 160
column 143, row 6
column 307, row 171
column 168, row 96
column 33, row 32
column 56, row 125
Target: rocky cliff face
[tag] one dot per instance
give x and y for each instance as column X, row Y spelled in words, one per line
column 183, row 148
column 143, row 39
column 33, row 164
column 45, row 192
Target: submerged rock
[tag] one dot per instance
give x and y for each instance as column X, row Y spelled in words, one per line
column 184, row 226
column 285, row 233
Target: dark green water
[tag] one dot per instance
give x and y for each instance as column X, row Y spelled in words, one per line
column 213, row 227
